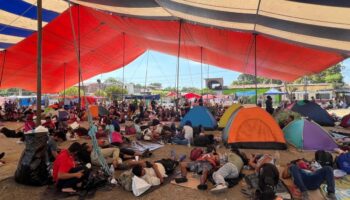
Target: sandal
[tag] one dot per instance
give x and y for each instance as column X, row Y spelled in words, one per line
column 181, row 180
column 202, row 187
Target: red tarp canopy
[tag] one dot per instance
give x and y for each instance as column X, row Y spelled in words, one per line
column 102, row 37
column 191, row 95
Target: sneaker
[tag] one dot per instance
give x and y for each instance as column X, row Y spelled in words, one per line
column 202, row 187
column 219, row 188
column 181, row 180
column 2, row 155
column 331, row 196
column 305, row 196
column 182, row 157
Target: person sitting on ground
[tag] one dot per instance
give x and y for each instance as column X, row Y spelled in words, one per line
column 29, row 125
column 256, row 161
column 67, row 176
column 203, row 165
column 52, row 148
column 188, row 131
column 138, row 129
column 305, row 177
column 49, row 124
column 229, row 170
column 203, row 140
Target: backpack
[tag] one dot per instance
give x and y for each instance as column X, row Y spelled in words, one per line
column 125, row 180
column 268, row 179
column 196, row 153
column 324, row 158
column 130, row 130
column 343, row 162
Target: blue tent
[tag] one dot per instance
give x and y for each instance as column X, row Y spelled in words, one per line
column 313, row 111
column 273, row 91
column 200, row 115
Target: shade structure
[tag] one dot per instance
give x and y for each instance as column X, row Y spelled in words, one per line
column 191, row 95
column 288, row 43
column 274, row 91
column 314, row 112
column 200, row 115
column 253, row 128
column 227, row 114
column 345, row 121
column 307, row 135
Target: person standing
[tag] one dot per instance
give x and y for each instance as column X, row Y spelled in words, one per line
column 269, row 105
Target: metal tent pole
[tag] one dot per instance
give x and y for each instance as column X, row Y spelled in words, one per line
column 64, row 83
column 79, row 68
column 178, row 66
column 201, row 71
column 146, row 71
column 123, row 65
column 255, row 70
column 39, row 63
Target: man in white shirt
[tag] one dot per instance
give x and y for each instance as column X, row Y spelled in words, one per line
column 153, row 173
column 188, row 131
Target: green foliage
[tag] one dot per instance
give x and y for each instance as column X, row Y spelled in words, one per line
column 162, row 93
column 170, row 89
column 331, row 75
column 112, row 81
column 113, row 91
column 190, row 89
column 72, row 91
column 158, row 85
column 100, row 93
column 246, row 79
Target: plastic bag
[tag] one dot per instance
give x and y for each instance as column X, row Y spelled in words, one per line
column 139, row 186
column 31, row 168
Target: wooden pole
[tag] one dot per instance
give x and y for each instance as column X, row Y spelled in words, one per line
column 201, row 71
column 39, row 63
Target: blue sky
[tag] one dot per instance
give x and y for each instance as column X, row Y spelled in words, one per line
column 162, row 69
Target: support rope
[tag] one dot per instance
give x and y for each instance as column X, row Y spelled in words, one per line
column 93, row 128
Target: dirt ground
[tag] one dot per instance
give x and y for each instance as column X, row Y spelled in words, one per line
column 9, row 189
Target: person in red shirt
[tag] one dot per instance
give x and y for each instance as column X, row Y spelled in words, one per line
column 49, row 124
column 66, row 174
column 29, row 125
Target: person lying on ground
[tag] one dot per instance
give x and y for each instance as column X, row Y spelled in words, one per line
column 229, row 170
column 67, row 175
column 203, row 165
column 155, row 172
column 256, row 161
column 12, row 133
column 306, row 177
column 120, row 159
column 52, row 148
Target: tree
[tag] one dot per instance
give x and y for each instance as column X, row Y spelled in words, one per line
column 100, row 93
column 112, row 81
column 157, row 85
column 72, row 91
column 247, row 79
column 190, row 89
column 331, row 75
column 170, row 89
column 113, row 91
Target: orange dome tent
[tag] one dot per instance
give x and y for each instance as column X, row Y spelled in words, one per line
column 253, row 128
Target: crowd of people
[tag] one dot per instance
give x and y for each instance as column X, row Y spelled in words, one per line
column 155, row 123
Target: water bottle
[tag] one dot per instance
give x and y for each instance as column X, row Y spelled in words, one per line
column 111, row 169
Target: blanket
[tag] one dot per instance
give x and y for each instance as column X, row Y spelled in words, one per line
column 142, row 146
column 342, row 188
